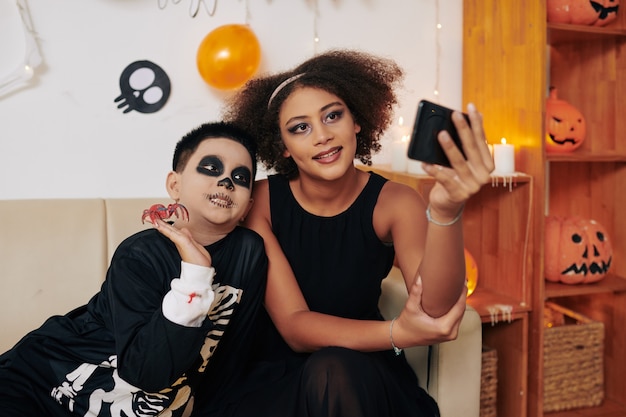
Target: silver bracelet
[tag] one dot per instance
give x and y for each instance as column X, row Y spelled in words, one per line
column 450, row 223
column 396, row 349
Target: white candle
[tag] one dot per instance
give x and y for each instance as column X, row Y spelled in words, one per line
column 399, row 158
column 504, row 158
column 400, row 146
column 415, row 167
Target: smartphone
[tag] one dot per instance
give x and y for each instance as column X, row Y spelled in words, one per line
column 431, row 119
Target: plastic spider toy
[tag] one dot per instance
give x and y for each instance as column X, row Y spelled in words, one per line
column 159, row 211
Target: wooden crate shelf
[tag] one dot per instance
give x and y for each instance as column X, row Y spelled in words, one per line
column 511, row 57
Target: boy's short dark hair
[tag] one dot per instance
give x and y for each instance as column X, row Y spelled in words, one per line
column 189, row 143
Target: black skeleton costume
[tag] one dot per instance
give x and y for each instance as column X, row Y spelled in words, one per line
column 162, row 337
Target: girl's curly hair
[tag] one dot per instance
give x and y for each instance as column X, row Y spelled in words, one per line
column 365, row 82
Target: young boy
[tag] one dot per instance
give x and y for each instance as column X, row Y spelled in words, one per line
column 171, row 326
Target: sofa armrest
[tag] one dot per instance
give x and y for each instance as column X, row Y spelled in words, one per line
column 453, row 377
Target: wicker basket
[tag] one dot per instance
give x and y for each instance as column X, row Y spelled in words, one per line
column 573, row 374
column 488, row 382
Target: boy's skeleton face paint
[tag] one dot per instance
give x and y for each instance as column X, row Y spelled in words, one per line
column 213, row 166
column 226, row 182
column 216, row 161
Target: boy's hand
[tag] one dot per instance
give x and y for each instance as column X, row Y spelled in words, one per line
column 190, row 251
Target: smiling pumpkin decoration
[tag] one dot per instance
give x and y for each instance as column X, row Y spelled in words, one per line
column 565, row 125
column 582, row 12
column 471, row 272
column 607, row 11
column 577, row 250
column 577, row 12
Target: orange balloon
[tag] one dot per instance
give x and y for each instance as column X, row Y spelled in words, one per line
column 229, row 56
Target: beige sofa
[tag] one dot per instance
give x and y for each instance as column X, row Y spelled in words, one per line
column 54, row 254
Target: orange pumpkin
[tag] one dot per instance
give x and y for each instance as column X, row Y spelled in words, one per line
column 566, row 127
column 577, row 12
column 577, row 250
column 608, row 11
column 471, row 272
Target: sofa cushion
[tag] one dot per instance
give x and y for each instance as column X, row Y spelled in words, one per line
column 45, row 246
column 123, row 218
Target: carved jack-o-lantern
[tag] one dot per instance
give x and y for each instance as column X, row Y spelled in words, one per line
column 582, row 12
column 565, row 125
column 607, row 10
column 577, row 250
column 577, row 12
column 471, row 272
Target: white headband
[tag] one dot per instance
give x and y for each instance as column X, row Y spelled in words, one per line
column 281, row 86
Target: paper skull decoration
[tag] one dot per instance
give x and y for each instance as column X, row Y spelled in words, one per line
column 566, row 127
column 144, row 86
column 577, row 250
column 582, row 12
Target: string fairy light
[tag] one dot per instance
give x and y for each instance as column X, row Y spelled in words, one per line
column 438, row 27
column 25, row 71
column 316, row 38
column 248, row 15
column 194, row 6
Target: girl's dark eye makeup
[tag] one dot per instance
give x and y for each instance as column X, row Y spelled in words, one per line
column 335, row 115
column 211, row 165
column 331, row 115
column 300, row 127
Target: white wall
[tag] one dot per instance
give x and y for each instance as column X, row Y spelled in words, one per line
column 62, row 136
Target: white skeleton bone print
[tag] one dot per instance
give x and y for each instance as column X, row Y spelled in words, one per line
column 117, row 397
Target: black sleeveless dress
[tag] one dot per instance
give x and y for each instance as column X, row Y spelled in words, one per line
column 339, row 263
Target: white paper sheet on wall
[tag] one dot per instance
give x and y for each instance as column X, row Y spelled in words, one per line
column 19, row 52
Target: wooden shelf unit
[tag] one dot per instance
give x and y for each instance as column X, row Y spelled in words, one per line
column 511, row 57
column 610, row 284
